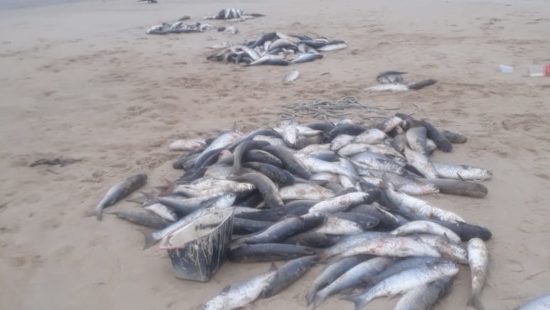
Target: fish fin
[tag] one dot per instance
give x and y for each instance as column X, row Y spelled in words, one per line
column 226, row 289
column 460, row 177
column 149, row 240
column 475, row 302
column 273, row 267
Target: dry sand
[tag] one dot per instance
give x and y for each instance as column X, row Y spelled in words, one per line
column 84, row 81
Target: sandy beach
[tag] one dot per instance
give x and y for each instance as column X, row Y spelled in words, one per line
column 83, row 80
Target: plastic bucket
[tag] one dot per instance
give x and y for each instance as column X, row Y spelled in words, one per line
column 200, row 258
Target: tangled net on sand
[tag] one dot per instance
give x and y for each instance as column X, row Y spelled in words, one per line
column 326, row 109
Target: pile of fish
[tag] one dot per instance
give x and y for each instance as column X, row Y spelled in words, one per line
column 342, row 194
column 233, row 14
column 276, row 48
column 178, row 27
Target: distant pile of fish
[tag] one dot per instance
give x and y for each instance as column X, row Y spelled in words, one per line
column 180, row 27
column 276, row 48
column 338, row 193
column 233, row 14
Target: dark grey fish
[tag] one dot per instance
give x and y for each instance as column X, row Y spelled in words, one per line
column 252, row 200
column 276, row 174
column 421, row 84
column 315, row 43
column 183, row 159
column 241, row 149
column 242, row 226
column 191, row 175
column 390, row 77
column 270, row 36
column 287, row 274
column 324, row 126
column 387, row 220
column 331, row 273
column 267, row 188
column 466, row 231
column 329, row 156
column 405, row 281
column 119, row 192
column 454, row 137
column 416, row 138
column 289, row 161
column 313, row 239
column 439, row 139
column 271, row 215
column 251, row 135
column 142, row 218
column 267, row 252
column 345, row 128
column 285, row 229
column 459, row 187
column 262, row 157
column 299, row 207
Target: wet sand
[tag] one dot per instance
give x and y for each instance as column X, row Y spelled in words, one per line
column 84, row 81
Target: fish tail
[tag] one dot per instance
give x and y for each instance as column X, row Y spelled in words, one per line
column 149, row 239
column 318, row 299
column 358, row 303
column 475, row 302
column 99, row 212
column 309, row 296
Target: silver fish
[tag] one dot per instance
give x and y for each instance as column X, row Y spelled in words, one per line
column 338, row 226
column 448, row 249
column 332, row 47
column 426, row 227
column 340, row 203
column 376, row 161
column 371, row 136
column 186, row 145
column 211, row 187
column 478, row 259
column 461, row 172
column 331, row 273
column 410, row 186
column 418, row 208
column 389, row 87
column 389, row 245
column 240, row 295
column 119, row 192
column 305, row 191
column 421, row 163
column 162, row 211
column 291, row 76
column 405, row 281
column 540, row 303
column 340, row 141
column 353, row 277
column 424, row 296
